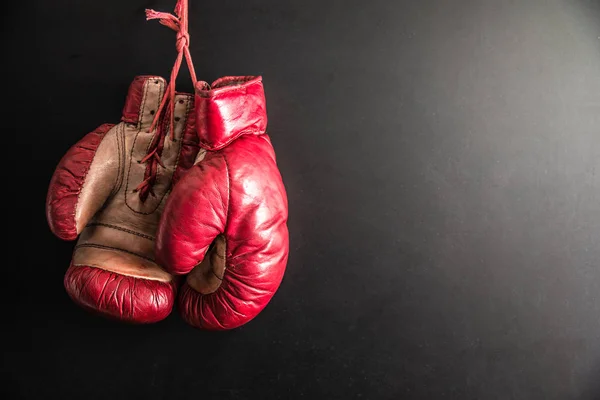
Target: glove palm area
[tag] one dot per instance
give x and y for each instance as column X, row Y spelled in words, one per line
column 95, row 195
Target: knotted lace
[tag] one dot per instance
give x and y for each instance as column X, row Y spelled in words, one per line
column 179, row 23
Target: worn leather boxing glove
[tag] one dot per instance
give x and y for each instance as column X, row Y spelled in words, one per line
column 225, row 223
column 110, row 189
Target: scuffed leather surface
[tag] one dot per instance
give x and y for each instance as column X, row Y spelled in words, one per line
column 119, row 296
column 238, row 192
column 113, row 270
column 67, row 181
column 233, row 107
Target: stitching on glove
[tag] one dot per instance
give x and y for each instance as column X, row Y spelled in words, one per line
column 129, row 173
column 160, row 94
column 118, row 158
column 216, row 276
column 179, row 145
column 103, row 247
column 228, row 204
column 228, row 190
column 122, row 157
column 116, row 185
column 141, row 112
column 87, row 170
column 151, row 238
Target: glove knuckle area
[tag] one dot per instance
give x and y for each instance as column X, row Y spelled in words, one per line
column 240, row 273
column 122, row 297
column 244, row 267
column 239, row 298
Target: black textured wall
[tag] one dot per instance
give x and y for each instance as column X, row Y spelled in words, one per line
column 442, row 162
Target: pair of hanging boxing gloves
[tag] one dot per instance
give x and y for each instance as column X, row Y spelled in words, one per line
column 202, row 198
column 184, row 186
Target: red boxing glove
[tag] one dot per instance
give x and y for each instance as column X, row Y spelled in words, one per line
column 110, row 191
column 225, row 223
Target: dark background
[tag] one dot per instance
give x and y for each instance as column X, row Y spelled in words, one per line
column 442, row 162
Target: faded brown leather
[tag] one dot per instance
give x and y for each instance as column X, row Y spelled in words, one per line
column 116, row 228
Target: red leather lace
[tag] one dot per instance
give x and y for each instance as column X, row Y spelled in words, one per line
column 179, row 23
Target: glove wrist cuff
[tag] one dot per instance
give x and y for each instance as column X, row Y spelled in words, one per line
column 229, row 108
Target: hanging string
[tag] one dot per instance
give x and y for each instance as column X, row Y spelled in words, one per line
column 178, row 23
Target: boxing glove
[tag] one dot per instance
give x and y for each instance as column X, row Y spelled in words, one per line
column 109, row 190
column 225, row 222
